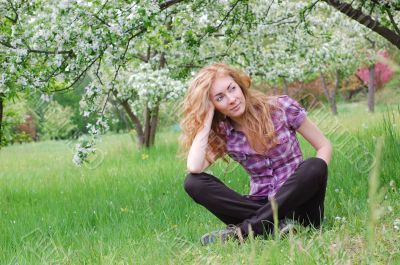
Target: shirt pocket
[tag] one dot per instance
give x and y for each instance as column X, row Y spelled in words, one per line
column 255, row 165
column 259, row 166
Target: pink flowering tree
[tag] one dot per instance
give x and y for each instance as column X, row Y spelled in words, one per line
column 383, row 72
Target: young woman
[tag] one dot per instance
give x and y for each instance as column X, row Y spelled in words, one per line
column 222, row 115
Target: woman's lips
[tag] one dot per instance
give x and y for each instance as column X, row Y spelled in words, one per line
column 236, row 107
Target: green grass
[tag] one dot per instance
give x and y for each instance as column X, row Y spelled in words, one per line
column 130, row 210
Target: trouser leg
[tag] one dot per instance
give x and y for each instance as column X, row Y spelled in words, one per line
column 311, row 213
column 299, row 190
column 229, row 206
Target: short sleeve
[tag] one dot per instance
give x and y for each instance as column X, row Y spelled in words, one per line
column 295, row 113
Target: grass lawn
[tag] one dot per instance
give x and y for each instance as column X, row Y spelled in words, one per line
column 132, row 209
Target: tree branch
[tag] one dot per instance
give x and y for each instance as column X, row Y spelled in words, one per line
column 81, row 74
column 14, row 20
column 280, row 21
column 101, row 20
column 29, row 50
column 132, row 116
column 102, row 7
column 372, row 8
column 269, row 7
column 365, row 20
column 167, row 4
column 395, row 6
column 396, row 28
column 227, row 15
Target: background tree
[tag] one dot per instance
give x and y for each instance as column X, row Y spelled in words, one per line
column 108, row 41
column 381, row 17
column 284, row 48
column 43, row 51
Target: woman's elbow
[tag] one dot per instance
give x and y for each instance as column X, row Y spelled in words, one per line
column 191, row 171
column 197, row 167
column 194, row 169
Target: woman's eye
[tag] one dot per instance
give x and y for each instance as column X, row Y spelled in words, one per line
column 219, row 98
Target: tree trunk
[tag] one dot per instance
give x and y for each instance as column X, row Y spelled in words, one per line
column 326, row 91
column 331, row 101
column 147, row 134
column 1, row 119
column 121, row 115
column 153, row 124
column 333, row 95
column 135, row 121
column 371, row 88
column 147, row 124
column 285, row 87
column 150, row 125
column 153, row 119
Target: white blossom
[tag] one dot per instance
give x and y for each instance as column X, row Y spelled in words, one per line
column 45, row 98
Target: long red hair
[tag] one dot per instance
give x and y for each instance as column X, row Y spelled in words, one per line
column 257, row 127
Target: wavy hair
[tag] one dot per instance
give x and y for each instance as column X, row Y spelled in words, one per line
column 257, row 127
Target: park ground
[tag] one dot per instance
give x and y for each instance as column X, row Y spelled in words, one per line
column 129, row 205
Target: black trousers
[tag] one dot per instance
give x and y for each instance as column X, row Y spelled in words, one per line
column 301, row 198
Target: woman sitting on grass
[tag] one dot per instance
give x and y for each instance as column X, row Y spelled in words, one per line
column 222, row 115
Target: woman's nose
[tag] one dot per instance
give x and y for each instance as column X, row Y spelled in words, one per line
column 231, row 98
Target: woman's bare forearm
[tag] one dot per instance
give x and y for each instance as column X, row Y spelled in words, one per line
column 196, row 160
column 325, row 152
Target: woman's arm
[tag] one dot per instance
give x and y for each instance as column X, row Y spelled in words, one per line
column 196, row 160
column 315, row 137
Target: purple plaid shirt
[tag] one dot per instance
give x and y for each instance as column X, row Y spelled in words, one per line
column 268, row 172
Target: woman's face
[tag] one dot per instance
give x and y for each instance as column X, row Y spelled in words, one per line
column 227, row 97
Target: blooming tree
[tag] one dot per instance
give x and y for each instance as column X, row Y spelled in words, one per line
column 135, row 50
column 283, row 47
column 383, row 72
column 53, row 45
column 382, row 17
column 146, row 81
column 47, row 43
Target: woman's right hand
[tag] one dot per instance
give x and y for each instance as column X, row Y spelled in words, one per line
column 210, row 114
column 197, row 162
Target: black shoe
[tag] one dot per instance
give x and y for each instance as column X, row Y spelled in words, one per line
column 231, row 231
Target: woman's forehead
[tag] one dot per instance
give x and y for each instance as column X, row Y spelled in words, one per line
column 221, row 84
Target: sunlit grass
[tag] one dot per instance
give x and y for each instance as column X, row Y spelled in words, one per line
column 132, row 208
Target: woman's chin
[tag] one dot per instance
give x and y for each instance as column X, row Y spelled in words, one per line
column 238, row 113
